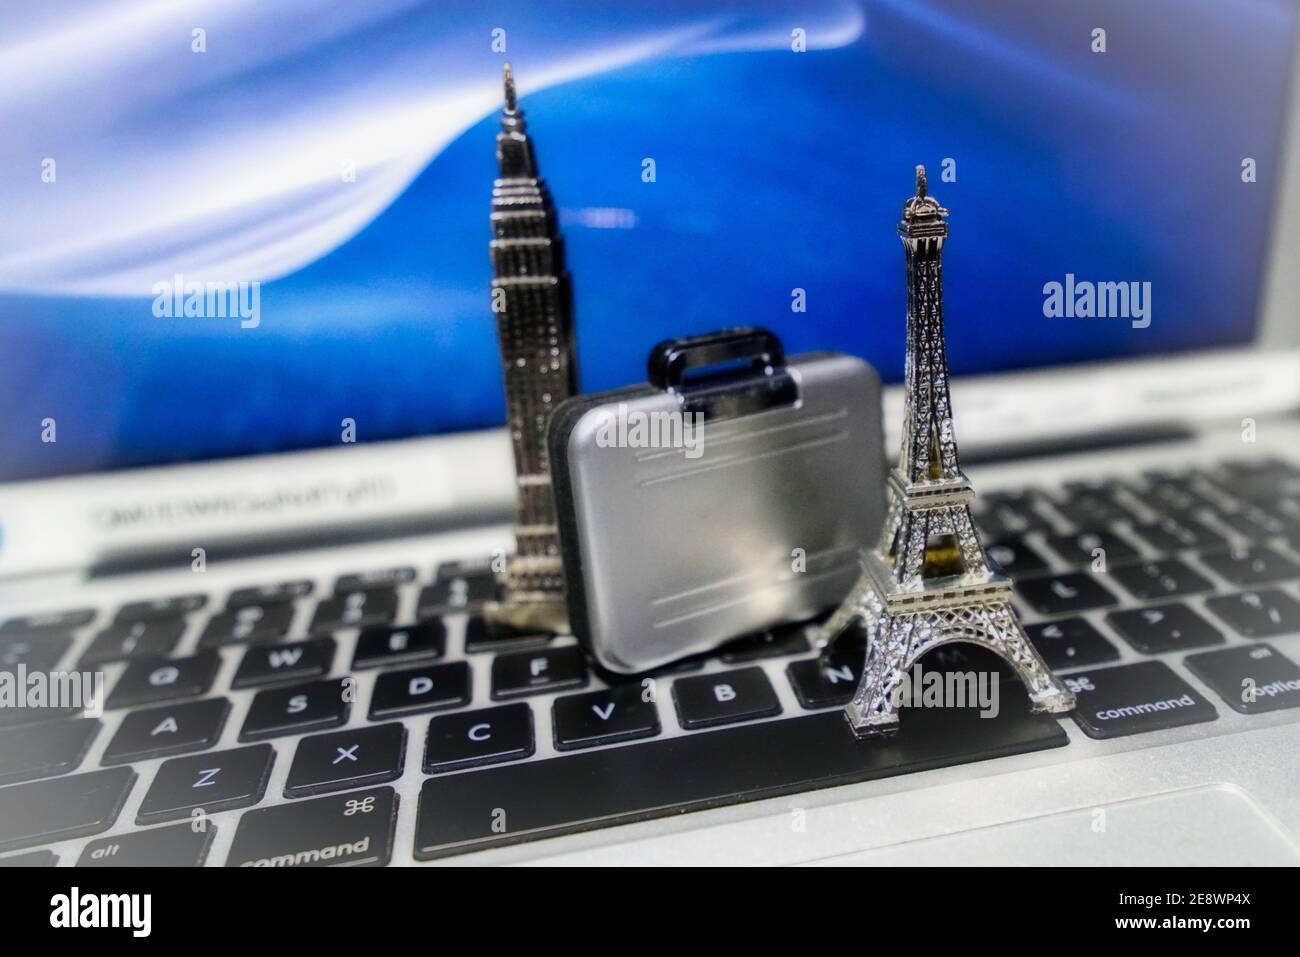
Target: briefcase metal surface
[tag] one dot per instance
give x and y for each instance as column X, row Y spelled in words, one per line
column 731, row 493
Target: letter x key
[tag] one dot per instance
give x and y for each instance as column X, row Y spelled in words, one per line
column 357, row 757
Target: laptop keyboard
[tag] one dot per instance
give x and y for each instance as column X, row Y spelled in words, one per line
column 516, row 736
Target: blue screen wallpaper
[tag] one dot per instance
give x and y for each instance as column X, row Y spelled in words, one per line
column 342, row 156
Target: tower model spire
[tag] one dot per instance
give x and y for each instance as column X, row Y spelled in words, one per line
column 928, row 583
column 531, row 299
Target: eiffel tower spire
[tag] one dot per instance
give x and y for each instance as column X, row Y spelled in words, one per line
column 928, row 583
column 532, row 303
column 929, row 451
column 937, row 537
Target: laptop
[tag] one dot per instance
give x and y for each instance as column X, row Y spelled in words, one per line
column 266, row 521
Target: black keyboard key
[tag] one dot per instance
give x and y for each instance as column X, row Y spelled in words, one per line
column 344, row 830
column 358, row 609
column 1070, row 643
column 147, row 638
column 268, row 594
column 392, row 646
column 704, row 701
column 1266, row 489
column 1090, row 548
column 773, row 643
column 1021, row 498
column 57, row 809
column 621, row 713
column 357, row 757
column 1169, row 534
column 413, row 690
column 1160, row 579
column 470, row 739
column 175, row 607
column 252, row 623
column 454, row 595
column 39, row 651
column 34, row 714
column 1264, row 466
column 293, row 661
column 171, row 729
column 534, row 672
column 31, row 859
column 1161, row 628
column 1258, row 614
column 178, row 845
column 999, row 514
column 1104, row 486
column 1283, row 519
column 384, row 579
column 1254, row 565
column 497, row 636
column 673, row 775
column 1093, row 509
column 55, row 747
column 1064, row 594
column 1134, row 699
column 313, row 706
column 49, row 621
column 1179, row 489
column 1182, row 497
column 216, row 781
column 1014, row 557
column 466, row 568
column 1288, row 513
column 991, row 525
column 829, row 680
column 1251, row 679
column 1253, row 522
column 152, row 682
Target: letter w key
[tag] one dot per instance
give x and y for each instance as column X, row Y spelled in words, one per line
column 264, row 665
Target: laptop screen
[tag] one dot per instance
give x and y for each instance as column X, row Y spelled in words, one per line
column 1110, row 170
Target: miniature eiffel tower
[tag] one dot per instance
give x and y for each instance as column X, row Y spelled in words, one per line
column 531, row 299
column 928, row 583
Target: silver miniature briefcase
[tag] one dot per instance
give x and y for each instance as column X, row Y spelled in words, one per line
column 731, row 493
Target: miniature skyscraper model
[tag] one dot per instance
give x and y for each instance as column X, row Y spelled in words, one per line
column 531, row 299
column 928, row 582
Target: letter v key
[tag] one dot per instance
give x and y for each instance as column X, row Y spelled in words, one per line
column 603, row 717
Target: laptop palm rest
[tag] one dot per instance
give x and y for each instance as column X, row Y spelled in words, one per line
column 1218, row 825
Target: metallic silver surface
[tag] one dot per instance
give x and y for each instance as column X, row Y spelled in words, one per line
column 531, row 299
column 683, row 553
column 908, row 602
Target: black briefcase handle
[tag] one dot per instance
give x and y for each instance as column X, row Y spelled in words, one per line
column 670, row 359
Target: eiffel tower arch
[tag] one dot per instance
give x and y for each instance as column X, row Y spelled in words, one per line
column 928, row 583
